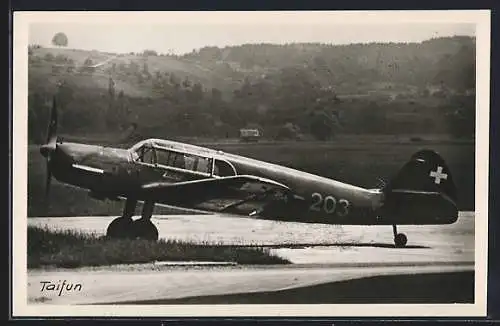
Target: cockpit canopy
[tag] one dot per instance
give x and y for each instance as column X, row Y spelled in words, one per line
column 179, row 156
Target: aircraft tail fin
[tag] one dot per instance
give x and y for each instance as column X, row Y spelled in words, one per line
column 423, row 191
column 425, row 171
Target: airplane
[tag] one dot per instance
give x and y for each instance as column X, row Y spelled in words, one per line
column 156, row 171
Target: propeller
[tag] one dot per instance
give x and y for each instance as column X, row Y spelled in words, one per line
column 49, row 148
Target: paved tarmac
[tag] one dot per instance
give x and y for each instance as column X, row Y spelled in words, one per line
column 321, row 254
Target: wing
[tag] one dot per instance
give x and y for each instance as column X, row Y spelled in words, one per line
column 242, row 194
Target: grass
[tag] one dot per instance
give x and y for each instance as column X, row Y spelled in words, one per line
column 71, row 249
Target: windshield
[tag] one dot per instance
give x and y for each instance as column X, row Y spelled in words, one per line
column 145, row 154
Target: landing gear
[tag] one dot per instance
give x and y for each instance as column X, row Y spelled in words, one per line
column 124, row 227
column 120, row 228
column 143, row 227
column 400, row 239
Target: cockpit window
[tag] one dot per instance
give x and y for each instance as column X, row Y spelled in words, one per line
column 149, row 155
column 183, row 161
column 204, row 165
column 190, row 162
column 165, row 157
column 145, row 154
column 223, row 169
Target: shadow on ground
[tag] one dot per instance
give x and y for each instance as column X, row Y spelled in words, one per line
column 456, row 287
column 337, row 244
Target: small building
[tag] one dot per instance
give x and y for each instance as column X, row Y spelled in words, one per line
column 250, row 134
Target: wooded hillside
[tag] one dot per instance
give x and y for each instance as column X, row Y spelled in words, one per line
column 287, row 91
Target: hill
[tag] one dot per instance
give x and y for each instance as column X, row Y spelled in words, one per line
column 292, row 90
column 431, row 62
column 78, row 64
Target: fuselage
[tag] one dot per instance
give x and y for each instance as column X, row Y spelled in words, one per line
column 112, row 172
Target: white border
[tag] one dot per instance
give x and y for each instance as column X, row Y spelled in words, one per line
column 20, row 41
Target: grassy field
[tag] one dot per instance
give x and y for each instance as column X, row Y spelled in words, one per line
column 358, row 160
column 71, row 249
column 42, row 70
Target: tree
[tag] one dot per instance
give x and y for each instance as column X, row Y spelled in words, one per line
column 61, row 59
column 461, row 115
column 32, row 48
column 60, row 39
column 372, row 119
column 174, row 80
column 88, row 62
column 197, row 92
column 111, row 88
column 49, row 57
column 65, row 93
column 288, row 131
column 186, row 83
column 145, row 68
column 147, row 53
column 216, row 95
column 321, row 127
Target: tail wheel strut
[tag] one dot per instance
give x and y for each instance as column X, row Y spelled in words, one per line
column 400, row 239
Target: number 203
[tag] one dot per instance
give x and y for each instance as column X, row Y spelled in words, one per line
column 329, row 205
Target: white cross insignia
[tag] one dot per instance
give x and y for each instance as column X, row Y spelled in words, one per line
column 438, row 175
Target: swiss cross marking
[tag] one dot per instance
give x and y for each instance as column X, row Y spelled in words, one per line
column 438, row 175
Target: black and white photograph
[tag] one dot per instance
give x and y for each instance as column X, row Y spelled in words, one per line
column 250, row 163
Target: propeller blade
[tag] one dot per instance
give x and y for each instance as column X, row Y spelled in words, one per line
column 50, row 147
column 52, row 129
column 48, row 180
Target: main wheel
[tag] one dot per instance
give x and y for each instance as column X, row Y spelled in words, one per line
column 120, row 228
column 145, row 229
column 400, row 240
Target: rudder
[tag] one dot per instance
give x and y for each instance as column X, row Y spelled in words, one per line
column 426, row 171
column 422, row 192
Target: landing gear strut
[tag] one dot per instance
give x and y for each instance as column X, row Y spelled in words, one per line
column 143, row 227
column 400, row 239
column 121, row 227
column 124, row 227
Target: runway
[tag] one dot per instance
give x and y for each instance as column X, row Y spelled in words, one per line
column 321, row 255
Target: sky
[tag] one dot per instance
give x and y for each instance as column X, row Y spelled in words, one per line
column 170, row 37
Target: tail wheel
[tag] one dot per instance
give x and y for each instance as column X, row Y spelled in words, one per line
column 145, row 229
column 400, row 240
